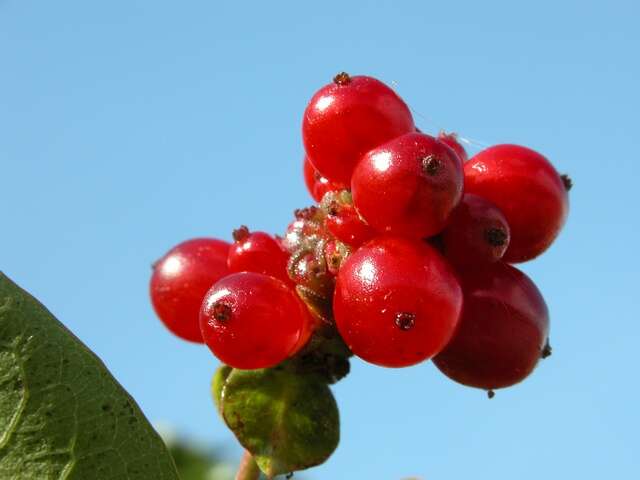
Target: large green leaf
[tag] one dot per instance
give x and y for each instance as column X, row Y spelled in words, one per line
column 62, row 415
column 288, row 422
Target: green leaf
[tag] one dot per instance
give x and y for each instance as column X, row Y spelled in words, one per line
column 218, row 381
column 62, row 415
column 288, row 422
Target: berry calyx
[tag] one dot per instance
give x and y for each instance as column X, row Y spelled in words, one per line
column 408, row 186
column 529, row 192
column 346, row 119
column 180, row 280
column 396, row 302
column 477, row 233
column 257, row 252
column 502, row 332
column 250, row 320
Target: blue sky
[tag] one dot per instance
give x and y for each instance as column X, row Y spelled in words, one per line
column 129, row 126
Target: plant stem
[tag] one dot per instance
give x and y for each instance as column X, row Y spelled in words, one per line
column 248, row 468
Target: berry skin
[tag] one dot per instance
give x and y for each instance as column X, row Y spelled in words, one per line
column 346, row 119
column 477, row 233
column 451, row 139
column 502, row 332
column 180, row 281
column 257, row 252
column 250, row 321
column 529, row 192
column 316, row 183
column 396, row 302
column 408, row 186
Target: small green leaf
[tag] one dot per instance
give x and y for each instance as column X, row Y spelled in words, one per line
column 62, row 415
column 288, row 422
column 217, row 382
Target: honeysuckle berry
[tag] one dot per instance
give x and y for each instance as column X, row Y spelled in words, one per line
column 408, row 186
column 477, row 233
column 180, row 280
column 503, row 330
column 396, row 302
column 316, row 183
column 527, row 189
column 346, row 119
column 250, row 320
column 257, row 252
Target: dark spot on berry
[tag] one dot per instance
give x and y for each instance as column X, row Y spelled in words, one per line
column 241, row 233
column 405, row 320
column 221, row 312
column 566, row 181
column 546, row 350
column 431, row 165
column 342, row 78
column 491, row 394
column 496, row 237
column 333, row 209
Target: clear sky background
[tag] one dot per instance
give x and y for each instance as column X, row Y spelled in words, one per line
column 128, row 126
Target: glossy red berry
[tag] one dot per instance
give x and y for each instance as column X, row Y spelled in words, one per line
column 396, row 302
column 257, row 252
column 180, row 281
column 529, row 192
column 451, row 139
column 316, row 183
column 502, row 332
column 343, row 221
column 408, row 186
column 346, row 119
column 250, row 320
column 477, row 233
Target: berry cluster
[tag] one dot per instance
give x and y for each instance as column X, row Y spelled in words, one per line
column 406, row 257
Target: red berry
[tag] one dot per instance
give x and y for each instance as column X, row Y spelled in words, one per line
column 257, row 252
column 343, row 221
column 529, row 192
column 346, row 119
column 408, row 186
column 477, row 233
column 180, row 281
column 451, row 140
column 250, row 320
column 316, row 183
column 502, row 332
column 396, row 302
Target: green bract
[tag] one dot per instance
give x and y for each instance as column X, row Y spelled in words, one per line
column 62, row 415
column 288, row 422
